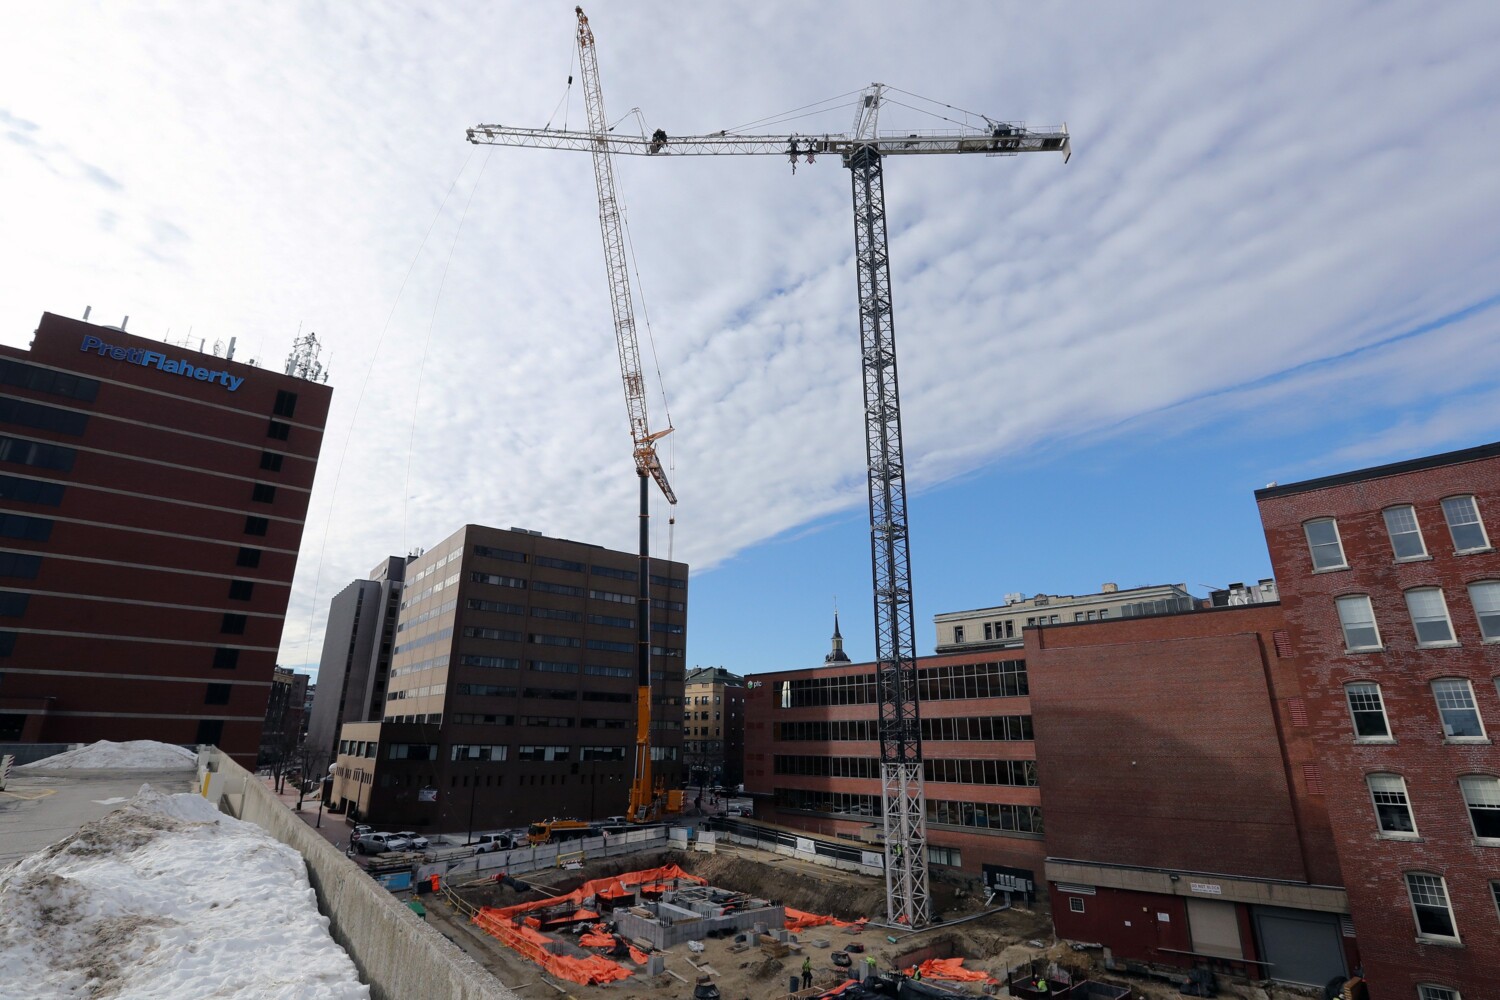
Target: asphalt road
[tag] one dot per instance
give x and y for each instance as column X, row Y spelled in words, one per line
column 40, row 807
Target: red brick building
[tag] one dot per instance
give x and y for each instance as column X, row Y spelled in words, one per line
column 151, row 506
column 812, row 756
column 1185, row 814
column 1391, row 591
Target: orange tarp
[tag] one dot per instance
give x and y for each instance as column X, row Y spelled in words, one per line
column 800, row 920
column 951, row 969
column 592, row 940
column 500, row 923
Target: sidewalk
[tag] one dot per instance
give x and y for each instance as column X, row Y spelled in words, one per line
column 333, row 827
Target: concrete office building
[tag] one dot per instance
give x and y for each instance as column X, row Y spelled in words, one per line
column 151, row 507
column 1000, row 627
column 1391, row 586
column 713, row 726
column 1186, row 818
column 356, row 662
column 513, row 685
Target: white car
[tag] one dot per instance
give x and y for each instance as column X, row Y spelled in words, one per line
column 416, row 841
column 377, row 843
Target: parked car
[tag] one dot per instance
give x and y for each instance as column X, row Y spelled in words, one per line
column 737, row 810
column 359, row 831
column 416, row 840
column 487, row 843
column 376, row 843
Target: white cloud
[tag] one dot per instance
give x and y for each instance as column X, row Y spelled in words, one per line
column 1253, row 190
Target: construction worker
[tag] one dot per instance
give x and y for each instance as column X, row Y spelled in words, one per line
column 869, row 966
column 435, row 880
column 1039, row 984
column 807, row 972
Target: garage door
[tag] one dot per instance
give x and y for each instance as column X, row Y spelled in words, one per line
column 1299, row 946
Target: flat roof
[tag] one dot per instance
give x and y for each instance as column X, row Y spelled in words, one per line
column 1381, row 471
column 40, row 807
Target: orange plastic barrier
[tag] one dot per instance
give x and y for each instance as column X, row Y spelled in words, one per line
column 525, row 939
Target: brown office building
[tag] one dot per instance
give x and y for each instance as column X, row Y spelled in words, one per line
column 151, row 506
column 512, row 686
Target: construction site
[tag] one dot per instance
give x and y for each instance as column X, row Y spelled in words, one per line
column 740, row 922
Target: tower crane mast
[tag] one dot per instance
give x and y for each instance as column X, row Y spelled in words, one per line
column 645, row 795
column 862, row 150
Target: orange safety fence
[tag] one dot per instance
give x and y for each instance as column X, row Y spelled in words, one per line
column 526, row 939
column 951, row 969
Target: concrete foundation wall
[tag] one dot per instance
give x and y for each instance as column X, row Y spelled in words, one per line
column 396, row 953
column 687, row 929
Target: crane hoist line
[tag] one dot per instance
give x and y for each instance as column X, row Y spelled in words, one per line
column 862, row 150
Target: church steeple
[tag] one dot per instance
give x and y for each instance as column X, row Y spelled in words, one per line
column 837, row 654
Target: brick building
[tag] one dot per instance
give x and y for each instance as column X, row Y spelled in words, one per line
column 812, row 757
column 512, row 688
column 152, row 501
column 1185, row 813
column 713, row 726
column 1391, row 591
column 285, row 717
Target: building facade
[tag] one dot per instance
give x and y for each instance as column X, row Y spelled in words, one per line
column 1186, row 818
column 152, row 502
column 1001, row 627
column 512, row 687
column 1391, row 589
column 812, row 757
column 713, row 726
column 285, row 716
column 356, row 663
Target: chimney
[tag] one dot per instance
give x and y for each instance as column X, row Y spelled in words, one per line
column 1110, row 588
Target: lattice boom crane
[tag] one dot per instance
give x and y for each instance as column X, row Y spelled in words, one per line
column 862, row 150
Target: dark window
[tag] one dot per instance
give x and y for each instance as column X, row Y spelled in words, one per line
column 20, row 564
column 210, row 731
column 617, row 574
column 35, row 529
column 218, row 694
column 270, row 460
column 226, row 659
column 240, row 590
column 53, row 383
column 256, row 525
column 46, row 418
column 36, row 454
column 278, row 430
column 30, row 491
column 556, row 588
column 233, row 624
column 673, row 582
column 286, row 403
column 263, row 493
column 12, row 604
column 248, row 557
column 568, row 564
column 7, row 643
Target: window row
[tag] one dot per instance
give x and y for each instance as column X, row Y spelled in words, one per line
column 34, row 491
column 986, row 815
column 1431, row 624
column 1461, row 513
column 1394, row 814
column 1454, row 696
column 995, row 679
column 959, row 728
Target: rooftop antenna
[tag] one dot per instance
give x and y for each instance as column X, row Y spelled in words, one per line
column 86, row 311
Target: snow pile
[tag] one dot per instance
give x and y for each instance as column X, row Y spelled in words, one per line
column 167, row 897
column 135, row 755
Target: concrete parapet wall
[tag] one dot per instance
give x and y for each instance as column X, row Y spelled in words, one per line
column 396, row 953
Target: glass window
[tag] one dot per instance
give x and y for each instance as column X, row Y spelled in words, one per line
column 1368, row 711
column 1392, row 808
column 1430, row 992
column 1486, row 598
column 1482, row 796
column 1429, row 616
column 1358, row 619
column 1462, row 514
column 1323, row 542
column 1406, row 534
column 1455, row 701
column 1429, row 903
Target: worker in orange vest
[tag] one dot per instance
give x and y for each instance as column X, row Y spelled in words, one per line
column 435, row 881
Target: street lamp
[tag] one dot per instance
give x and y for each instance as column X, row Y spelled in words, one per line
column 473, row 797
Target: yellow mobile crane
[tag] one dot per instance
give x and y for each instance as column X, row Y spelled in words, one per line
column 647, row 797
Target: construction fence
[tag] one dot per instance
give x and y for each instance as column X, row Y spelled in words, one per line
column 521, row 860
column 831, row 853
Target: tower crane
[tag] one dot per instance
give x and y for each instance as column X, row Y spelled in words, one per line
column 646, row 796
column 862, row 150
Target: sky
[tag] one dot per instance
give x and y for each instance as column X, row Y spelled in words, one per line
column 1274, row 255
